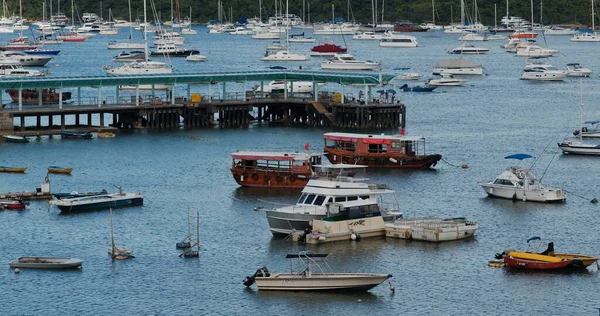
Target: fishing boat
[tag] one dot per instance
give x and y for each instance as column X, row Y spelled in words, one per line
column 321, row 279
column 46, row 263
column 519, row 183
column 337, row 183
column 523, row 34
column 193, row 250
column 101, row 201
column 117, row 252
column 273, row 169
column 591, row 129
column 187, row 241
column 431, row 229
column 379, row 151
column 12, row 169
column 59, row 170
column 12, row 204
column 15, row 139
column 32, row 96
column 406, row 88
column 76, row 135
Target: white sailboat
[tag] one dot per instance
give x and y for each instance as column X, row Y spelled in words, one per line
column 578, row 146
column 141, row 67
column 129, row 44
column 285, row 55
column 189, row 30
column 587, row 36
column 117, row 252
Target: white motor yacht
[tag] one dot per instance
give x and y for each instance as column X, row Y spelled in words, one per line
column 278, row 85
column 285, row 55
column 556, row 31
column 196, row 57
column 346, row 61
column 535, row 51
column 26, row 60
column 398, row 40
column 446, row 80
column 139, row 68
column 468, row 49
column 532, row 63
column 471, row 36
column 13, row 68
column 124, row 45
column 367, row 36
column 265, row 34
column 575, row 70
column 585, row 37
column 458, row 66
column 543, row 73
column 321, row 193
column 335, row 29
column 312, row 276
column 241, row 31
column 521, row 184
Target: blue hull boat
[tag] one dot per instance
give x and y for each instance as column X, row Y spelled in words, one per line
column 98, row 202
column 76, row 135
column 42, row 52
column 406, row 88
column 76, row 194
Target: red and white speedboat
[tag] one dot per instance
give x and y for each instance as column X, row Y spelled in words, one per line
column 327, row 49
column 71, row 37
column 12, row 204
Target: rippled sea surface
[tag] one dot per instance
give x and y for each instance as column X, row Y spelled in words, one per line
column 493, row 116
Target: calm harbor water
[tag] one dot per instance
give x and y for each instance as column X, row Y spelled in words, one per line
column 491, row 117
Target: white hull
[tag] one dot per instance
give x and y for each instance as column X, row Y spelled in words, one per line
column 458, row 71
column 301, row 40
column 265, row 36
column 585, row 38
column 446, row 83
column 285, row 56
column 506, row 192
column 431, row 229
column 543, row 76
column 196, row 58
column 396, row 44
column 334, row 66
column 146, row 87
column 579, row 148
column 320, row 282
column 46, row 263
column 125, row 46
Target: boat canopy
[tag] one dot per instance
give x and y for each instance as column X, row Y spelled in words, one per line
column 369, row 138
column 456, row 63
column 281, row 156
column 519, row 156
column 341, row 166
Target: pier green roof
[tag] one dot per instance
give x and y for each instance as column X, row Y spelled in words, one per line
column 346, row 78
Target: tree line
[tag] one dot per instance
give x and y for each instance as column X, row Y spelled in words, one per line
column 446, row 11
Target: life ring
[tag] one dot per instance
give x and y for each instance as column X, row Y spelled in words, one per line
column 236, row 176
column 522, row 174
column 278, row 178
column 267, row 178
column 254, row 176
column 292, row 178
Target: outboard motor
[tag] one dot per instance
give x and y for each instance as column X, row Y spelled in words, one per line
column 262, row 272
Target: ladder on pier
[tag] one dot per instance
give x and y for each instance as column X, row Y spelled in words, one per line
column 323, row 111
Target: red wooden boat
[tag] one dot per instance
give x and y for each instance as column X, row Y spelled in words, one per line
column 327, row 49
column 31, row 96
column 535, row 264
column 380, row 151
column 523, row 34
column 12, row 204
column 273, row 169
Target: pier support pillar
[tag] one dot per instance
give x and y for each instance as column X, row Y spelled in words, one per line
column 209, row 93
column 38, row 121
column 315, row 91
column 137, row 94
column 22, row 123
column 78, row 95
column 20, row 99
column 77, row 120
column 189, row 92
column 342, row 93
column 40, row 97
column 117, row 94
column 99, row 97
column 50, row 119
column 292, row 89
column 62, row 121
column 89, row 119
column 60, row 103
column 285, row 90
column 101, row 119
column 224, row 90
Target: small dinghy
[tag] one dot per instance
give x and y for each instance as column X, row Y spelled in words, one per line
column 59, row 170
column 46, row 263
column 406, row 88
column 15, row 139
column 12, row 169
column 14, row 205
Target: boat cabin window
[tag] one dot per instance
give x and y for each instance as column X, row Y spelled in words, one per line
column 273, row 164
column 340, row 199
column 377, row 148
column 342, row 145
column 503, row 182
column 364, row 197
column 396, row 145
column 309, row 199
column 362, row 211
column 319, row 200
column 352, row 198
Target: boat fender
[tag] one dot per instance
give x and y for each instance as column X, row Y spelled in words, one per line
column 267, row 178
column 254, row 176
column 353, row 236
column 292, row 178
column 393, row 160
column 278, row 178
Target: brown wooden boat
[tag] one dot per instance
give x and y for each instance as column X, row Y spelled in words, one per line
column 273, row 169
column 31, row 96
column 379, row 151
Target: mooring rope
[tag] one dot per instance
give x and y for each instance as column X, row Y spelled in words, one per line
column 593, row 200
column 453, row 165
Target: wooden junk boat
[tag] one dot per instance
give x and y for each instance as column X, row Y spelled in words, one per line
column 379, row 151
column 31, row 96
column 273, row 169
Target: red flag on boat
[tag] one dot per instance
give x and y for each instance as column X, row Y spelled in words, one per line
column 402, row 131
column 306, row 146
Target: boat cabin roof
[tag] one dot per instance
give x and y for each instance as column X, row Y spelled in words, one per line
column 265, row 155
column 382, row 138
column 341, row 166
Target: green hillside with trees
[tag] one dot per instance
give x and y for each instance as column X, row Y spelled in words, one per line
column 554, row 11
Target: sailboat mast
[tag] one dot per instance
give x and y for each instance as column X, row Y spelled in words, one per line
column 541, row 2
column 495, row 18
column 130, row 21
column 382, row 10
column 145, row 34
column 348, row 9
column 532, row 15
column 198, row 232
column 21, row 9
column 332, row 13
column 373, row 10
column 462, row 12
column 581, row 109
column 303, row 11
column 593, row 18
column 259, row 10
column 112, row 236
column 189, row 225
column 72, row 19
column 433, row 12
